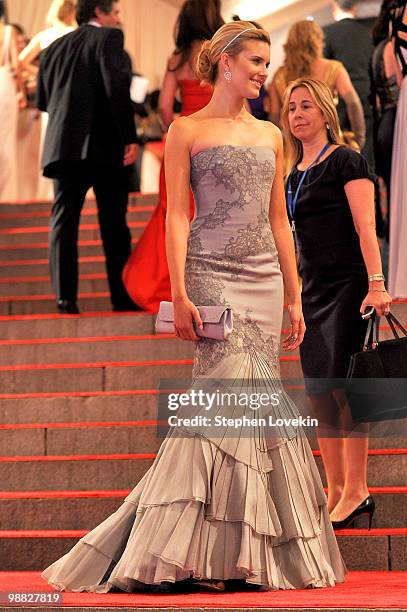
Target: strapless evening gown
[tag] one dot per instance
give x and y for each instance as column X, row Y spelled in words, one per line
column 146, row 275
column 222, row 506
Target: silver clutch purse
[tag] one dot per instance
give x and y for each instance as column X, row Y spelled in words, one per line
column 217, row 321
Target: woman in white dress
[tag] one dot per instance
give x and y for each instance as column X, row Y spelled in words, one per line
column 10, row 91
column 60, row 21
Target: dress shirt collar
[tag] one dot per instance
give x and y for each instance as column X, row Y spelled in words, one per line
column 344, row 15
column 95, row 23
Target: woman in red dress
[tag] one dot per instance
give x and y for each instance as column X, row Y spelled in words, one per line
column 146, row 274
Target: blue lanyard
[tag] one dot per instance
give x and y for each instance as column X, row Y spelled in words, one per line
column 292, row 201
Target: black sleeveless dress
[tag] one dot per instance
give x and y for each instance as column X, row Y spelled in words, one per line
column 332, row 269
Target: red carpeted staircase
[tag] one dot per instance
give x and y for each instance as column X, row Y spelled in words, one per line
column 78, row 416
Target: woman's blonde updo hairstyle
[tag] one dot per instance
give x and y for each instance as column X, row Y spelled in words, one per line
column 208, row 58
column 62, row 11
column 322, row 97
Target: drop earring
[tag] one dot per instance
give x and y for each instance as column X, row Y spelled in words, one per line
column 330, row 133
column 228, row 75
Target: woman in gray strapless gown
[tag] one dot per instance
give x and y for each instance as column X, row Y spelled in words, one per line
column 231, row 503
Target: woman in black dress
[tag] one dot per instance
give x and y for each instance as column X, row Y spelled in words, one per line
column 332, row 205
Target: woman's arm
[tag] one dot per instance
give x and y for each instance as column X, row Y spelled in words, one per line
column 399, row 74
column 354, row 108
column 167, row 95
column 391, row 66
column 360, row 194
column 177, row 172
column 285, row 246
column 29, row 54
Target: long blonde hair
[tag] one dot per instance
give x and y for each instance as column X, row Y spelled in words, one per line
column 322, row 96
column 233, row 35
column 62, row 11
column 301, row 49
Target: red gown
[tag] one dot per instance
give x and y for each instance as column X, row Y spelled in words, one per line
column 146, row 275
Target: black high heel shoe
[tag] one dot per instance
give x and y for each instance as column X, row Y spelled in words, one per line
column 366, row 507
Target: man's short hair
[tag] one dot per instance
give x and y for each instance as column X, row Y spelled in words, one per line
column 346, row 5
column 85, row 9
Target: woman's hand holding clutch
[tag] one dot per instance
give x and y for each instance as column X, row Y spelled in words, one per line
column 185, row 312
column 297, row 331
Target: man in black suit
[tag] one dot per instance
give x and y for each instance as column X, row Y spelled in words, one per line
column 84, row 85
column 348, row 40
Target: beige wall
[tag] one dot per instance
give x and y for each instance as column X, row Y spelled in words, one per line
column 148, row 28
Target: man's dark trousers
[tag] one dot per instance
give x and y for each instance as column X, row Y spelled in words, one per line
column 110, row 184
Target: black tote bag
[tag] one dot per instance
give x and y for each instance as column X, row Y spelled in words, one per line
column 376, row 385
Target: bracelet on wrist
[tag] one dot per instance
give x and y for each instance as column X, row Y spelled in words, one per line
column 379, row 290
column 375, row 277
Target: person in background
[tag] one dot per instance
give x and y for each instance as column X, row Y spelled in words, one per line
column 330, row 196
column 60, row 20
column 28, row 130
column 385, row 93
column 84, row 84
column 146, row 275
column 12, row 98
column 303, row 58
column 22, row 39
column 398, row 189
column 349, row 41
column 356, row 58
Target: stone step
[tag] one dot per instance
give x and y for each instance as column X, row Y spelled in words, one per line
column 84, row 509
column 73, row 473
column 37, row 206
column 20, row 413
column 41, row 285
column 105, row 376
column 137, row 432
column 140, row 404
column 80, row 440
column 94, row 349
column 130, row 347
column 113, row 471
column 43, row 325
column 42, row 304
column 30, row 219
column 383, row 549
column 40, row 267
column 80, row 407
column 90, row 377
column 118, row 347
column 34, row 235
column 39, row 250
column 68, row 326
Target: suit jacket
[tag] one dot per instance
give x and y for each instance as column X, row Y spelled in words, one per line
column 84, row 85
column 349, row 41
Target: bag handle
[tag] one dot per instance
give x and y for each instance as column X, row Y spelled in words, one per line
column 372, row 332
column 392, row 321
